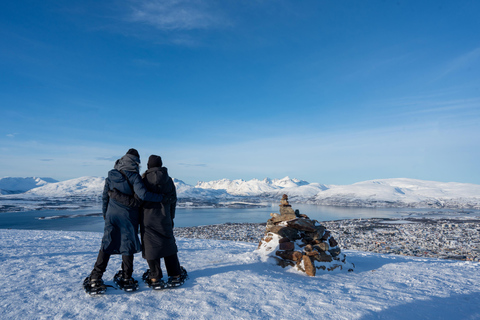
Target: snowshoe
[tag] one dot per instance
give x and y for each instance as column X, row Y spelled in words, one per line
column 155, row 285
column 94, row 286
column 178, row 281
column 128, row 285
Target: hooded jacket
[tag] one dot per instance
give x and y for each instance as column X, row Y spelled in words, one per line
column 121, row 222
column 156, row 226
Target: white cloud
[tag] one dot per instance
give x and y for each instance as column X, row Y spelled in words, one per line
column 175, row 15
column 192, row 164
column 461, row 62
column 428, row 107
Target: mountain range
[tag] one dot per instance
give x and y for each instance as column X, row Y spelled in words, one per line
column 399, row 192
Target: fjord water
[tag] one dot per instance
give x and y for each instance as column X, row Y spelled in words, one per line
column 91, row 219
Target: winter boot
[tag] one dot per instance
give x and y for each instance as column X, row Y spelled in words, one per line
column 125, row 284
column 155, row 284
column 176, row 281
column 94, row 286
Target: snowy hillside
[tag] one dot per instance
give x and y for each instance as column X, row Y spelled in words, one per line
column 400, row 192
column 84, row 186
column 228, row 280
column 186, row 191
column 252, row 187
column 11, row 185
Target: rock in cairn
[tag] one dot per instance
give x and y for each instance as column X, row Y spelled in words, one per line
column 293, row 240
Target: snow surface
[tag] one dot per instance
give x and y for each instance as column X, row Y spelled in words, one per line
column 399, row 192
column 43, row 271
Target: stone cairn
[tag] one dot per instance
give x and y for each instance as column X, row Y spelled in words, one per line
column 294, row 240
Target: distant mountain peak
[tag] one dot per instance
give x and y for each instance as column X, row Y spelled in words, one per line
column 14, row 185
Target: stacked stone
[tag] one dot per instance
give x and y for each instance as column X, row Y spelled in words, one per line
column 294, row 240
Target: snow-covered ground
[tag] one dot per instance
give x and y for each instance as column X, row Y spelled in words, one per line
column 42, row 272
column 399, row 192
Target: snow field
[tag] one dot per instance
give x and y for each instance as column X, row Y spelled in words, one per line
column 43, row 272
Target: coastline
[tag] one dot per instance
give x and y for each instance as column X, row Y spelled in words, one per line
column 444, row 238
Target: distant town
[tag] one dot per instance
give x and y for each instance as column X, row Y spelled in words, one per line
column 444, row 238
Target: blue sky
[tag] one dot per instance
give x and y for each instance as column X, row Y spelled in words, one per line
column 334, row 92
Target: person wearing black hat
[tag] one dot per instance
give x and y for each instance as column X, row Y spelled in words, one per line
column 156, row 228
column 121, row 223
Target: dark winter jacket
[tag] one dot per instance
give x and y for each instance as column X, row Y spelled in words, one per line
column 156, row 226
column 121, row 222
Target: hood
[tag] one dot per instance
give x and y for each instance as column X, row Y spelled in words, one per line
column 128, row 162
column 161, row 175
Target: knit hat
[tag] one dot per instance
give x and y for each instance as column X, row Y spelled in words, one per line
column 154, row 161
column 133, row 152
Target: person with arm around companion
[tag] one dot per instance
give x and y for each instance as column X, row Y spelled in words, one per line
column 121, row 224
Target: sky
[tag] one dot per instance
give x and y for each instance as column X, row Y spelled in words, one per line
column 334, row 92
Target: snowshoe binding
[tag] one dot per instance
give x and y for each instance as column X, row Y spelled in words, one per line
column 156, row 284
column 94, row 286
column 124, row 284
column 179, row 280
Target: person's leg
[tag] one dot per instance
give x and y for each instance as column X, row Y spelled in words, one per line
column 155, row 269
column 127, row 266
column 100, row 265
column 172, row 265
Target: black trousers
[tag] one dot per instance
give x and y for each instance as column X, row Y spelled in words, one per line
column 102, row 262
column 171, row 264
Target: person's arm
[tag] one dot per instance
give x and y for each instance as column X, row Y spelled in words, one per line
column 173, row 204
column 105, row 198
column 124, row 199
column 142, row 192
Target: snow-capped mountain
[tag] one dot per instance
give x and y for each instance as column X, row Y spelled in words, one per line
column 402, row 192
column 84, row 186
column 12, row 185
column 186, row 191
column 253, row 187
column 399, row 192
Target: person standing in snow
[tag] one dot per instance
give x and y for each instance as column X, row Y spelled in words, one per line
column 121, row 222
column 156, row 226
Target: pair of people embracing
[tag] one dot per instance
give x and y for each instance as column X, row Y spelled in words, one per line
column 130, row 200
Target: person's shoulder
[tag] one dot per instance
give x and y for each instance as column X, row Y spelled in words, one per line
column 164, row 172
column 113, row 174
